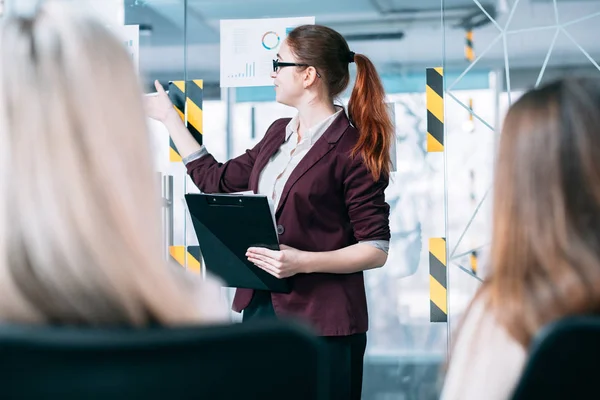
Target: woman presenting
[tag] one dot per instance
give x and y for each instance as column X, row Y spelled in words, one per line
column 326, row 174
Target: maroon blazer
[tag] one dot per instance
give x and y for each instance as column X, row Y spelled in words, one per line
column 329, row 202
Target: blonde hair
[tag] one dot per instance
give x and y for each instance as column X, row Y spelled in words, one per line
column 79, row 211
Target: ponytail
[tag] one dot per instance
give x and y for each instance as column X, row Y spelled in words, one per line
column 368, row 112
column 328, row 52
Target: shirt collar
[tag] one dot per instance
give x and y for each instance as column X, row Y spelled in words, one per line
column 315, row 132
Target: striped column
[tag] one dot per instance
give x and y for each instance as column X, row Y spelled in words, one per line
column 438, row 292
column 438, row 296
column 193, row 103
column 179, row 254
column 469, row 52
column 435, row 109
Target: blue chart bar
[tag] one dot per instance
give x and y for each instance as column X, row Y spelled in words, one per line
column 249, row 73
column 250, row 69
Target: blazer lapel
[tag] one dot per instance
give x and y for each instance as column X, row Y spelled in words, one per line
column 268, row 151
column 318, row 151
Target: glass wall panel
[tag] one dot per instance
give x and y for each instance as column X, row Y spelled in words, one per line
column 161, row 26
column 489, row 52
column 405, row 349
column 519, row 44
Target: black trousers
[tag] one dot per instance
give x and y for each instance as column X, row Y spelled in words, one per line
column 346, row 353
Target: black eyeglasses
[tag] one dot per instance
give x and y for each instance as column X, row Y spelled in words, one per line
column 278, row 64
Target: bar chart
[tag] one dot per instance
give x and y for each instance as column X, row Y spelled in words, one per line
column 249, row 46
column 250, row 72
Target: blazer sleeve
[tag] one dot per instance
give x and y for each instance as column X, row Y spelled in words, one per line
column 365, row 201
column 211, row 176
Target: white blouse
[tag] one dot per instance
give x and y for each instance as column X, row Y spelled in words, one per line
column 486, row 362
column 277, row 172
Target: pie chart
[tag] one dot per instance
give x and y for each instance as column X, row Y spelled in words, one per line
column 270, row 40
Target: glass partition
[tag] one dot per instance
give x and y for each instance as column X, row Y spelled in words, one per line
column 161, row 27
column 450, row 68
column 405, row 349
column 178, row 43
column 517, row 45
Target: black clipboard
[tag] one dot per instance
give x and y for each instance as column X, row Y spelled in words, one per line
column 226, row 226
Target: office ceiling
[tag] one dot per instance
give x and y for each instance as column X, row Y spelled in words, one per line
column 420, row 40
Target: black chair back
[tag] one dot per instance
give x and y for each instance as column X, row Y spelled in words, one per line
column 260, row 360
column 563, row 362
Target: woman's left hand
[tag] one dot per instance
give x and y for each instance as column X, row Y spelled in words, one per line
column 281, row 263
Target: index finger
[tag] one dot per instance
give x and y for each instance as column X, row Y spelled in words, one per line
column 158, row 87
column 263, row 251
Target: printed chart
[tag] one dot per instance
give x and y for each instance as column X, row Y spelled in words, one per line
column 249, row 46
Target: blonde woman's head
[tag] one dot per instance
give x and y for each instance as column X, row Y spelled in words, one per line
column 79, row 231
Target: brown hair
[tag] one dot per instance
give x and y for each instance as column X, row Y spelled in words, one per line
column 546, row 235
column 328, row 52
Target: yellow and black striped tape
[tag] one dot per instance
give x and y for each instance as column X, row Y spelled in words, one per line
column 438, row 292
column 469, row 52
column 470, row 109
column 473, row 256
column 178, row 253
column 473, row 262
column 435, row 109
column 193, row 100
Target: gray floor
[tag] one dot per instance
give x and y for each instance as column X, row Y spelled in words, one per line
column 402, row 380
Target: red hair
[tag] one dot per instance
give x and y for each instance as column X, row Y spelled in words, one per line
column 369, row 114
column 328, row 52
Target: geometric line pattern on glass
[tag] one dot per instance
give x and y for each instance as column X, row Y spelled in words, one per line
column 471, row 111
column 506, row 68
column 466, row 253
column 578, row 20
column 506, row 31
column 467, row 271
column 462, row 235
column 493, row 21
column 559, row 27
column 511, row 15
column 505, row 45
column 585, row 53
column 471, row 65
column 541, row 75
column 529, row 30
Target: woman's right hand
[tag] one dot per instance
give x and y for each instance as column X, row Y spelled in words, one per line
column 158, row 106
